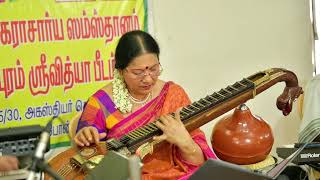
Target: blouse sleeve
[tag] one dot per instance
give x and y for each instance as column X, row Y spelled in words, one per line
column 176, row 98
column 92, row 115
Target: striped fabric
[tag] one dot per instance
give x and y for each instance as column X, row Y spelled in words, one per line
column 165, row 162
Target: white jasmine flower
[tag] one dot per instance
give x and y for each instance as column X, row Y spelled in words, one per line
column 120, row 93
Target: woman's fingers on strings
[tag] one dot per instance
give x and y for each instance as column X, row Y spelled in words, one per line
column 177, row 114
column 164, row 120
column 78, row 142
column 83, row 139
column 89, row 135
column 160, row 125
column 160, row 138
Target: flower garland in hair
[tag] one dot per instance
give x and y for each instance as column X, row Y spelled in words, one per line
column 120, row 93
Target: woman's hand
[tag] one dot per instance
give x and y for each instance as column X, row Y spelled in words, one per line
column 8, row 163
column 87, row 136
column 175, row 132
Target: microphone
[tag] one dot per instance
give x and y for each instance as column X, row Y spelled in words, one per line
column 37, row 159
column 134, row 167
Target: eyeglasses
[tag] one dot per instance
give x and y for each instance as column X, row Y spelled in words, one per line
column 153, row 71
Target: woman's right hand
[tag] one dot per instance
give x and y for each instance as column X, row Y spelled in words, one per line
column 87, row 136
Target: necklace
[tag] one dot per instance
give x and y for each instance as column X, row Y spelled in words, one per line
column 138, row 101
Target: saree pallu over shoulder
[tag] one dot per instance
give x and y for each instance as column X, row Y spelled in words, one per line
column 142, row 116
column 100, row 112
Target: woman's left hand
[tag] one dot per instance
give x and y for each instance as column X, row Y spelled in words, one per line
column 173, row 130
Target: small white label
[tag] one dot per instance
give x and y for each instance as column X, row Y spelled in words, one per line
column 309, row 155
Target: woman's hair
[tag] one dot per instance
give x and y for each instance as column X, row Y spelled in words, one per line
column 133, row 44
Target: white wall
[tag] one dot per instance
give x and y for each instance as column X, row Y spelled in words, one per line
column 209, row 44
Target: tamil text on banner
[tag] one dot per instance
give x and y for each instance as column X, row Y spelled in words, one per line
column 55, row 54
